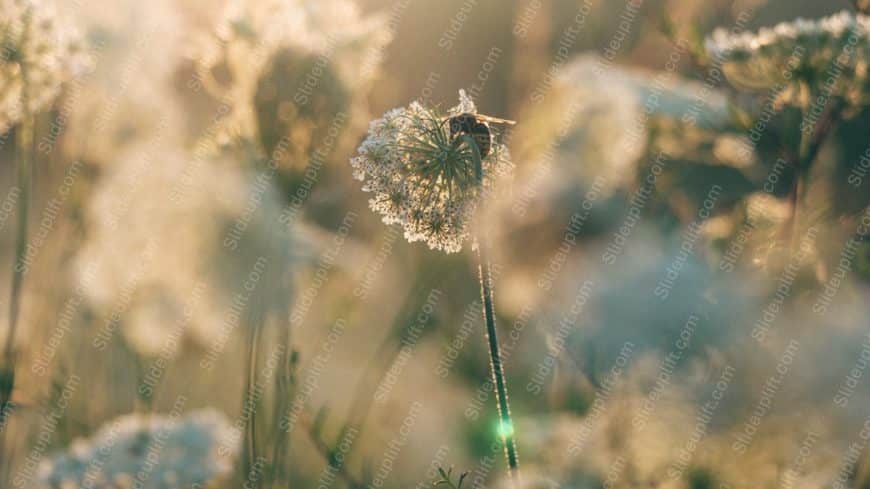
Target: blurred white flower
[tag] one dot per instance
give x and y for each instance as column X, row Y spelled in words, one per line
column 136, row 51
column 148, row 452
column 425, row 178
column 602, row 130
column 171, row 238
column 37, row 56
column 763, row 208
column 602, row 136
column 827, row 32
column 734, row 150
column 797, row 50
column 337, row 49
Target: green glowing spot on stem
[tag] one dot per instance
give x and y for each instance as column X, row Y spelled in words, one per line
column 505, row 429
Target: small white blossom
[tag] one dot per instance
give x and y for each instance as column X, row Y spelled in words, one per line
column 825, row 32
column 422, row 177
column 147, row 451
column 164, row 228
column 835, row 46
column 290, row 57
column 37, row 55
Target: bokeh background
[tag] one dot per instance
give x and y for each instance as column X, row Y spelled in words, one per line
column 711, row 333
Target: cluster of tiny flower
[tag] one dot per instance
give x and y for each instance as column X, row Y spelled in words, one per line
column 329, row 38
column 820, row 33
column 145, row 451
column 808, row 46
column 425, row 178
column 37, row 55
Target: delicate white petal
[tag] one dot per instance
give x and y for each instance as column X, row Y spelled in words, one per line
column 148, row 451
column 37, row 52
column 429, row 206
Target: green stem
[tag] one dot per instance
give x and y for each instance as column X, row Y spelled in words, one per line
column 810, row 145
column 24, row 144
column 283, row 382
column 249, row 405
column 24, row 138
column 24, row 149
column 385, row 355
column 794, row 204
column 799, row 169
column 327, row 452
column 506, row 425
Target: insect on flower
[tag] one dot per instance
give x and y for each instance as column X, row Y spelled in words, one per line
column 476, row 126
column 428, row 171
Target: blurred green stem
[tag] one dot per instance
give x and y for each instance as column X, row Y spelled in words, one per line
column 386, row 354
column 801, row 163
column 24, row 145
column 254, row 318
column 328, row 453
column 249, row 404
column 506, row 425
column 24, row 149
column 811, row 142
column 284, row 381
column 794, row 203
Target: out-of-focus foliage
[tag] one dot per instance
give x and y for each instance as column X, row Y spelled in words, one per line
column 681, row 257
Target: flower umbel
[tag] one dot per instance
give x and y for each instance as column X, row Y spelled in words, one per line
column 288, row 67
column 424, row 178
column 36, row 54
column 802, row 50
column 147, row 451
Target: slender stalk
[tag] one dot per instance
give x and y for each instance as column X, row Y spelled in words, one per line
column 506, row 425
column 284, row 381
column 24, row 149
column 328, row 452
column 255, row 317
column 810, row 145
column 800, row 165
column 24, row 144
column 794, row 207
column 249, row 405
column 384, row 356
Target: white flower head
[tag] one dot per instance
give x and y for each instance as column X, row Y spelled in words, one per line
column 795, row 50
column 37, row 55
column 164, row 229
column 147, row 451
column 288, row 63
column 425, row 178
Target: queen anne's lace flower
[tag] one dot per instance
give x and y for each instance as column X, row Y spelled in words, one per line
column 286, row 67
column 147, row 451
column 36, row 57
column 423, row 178
column 165, row 232
column 802, row 49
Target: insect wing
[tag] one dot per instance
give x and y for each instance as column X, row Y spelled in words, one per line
column 494, row 120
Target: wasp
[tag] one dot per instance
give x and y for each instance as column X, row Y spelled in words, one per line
column 476, row 126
